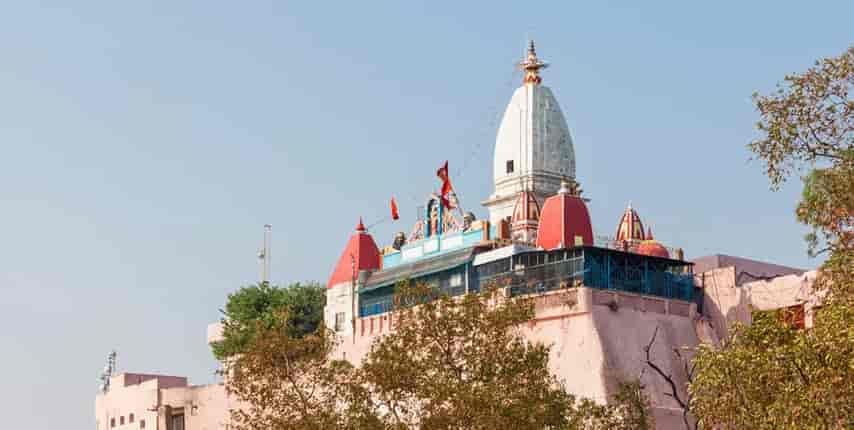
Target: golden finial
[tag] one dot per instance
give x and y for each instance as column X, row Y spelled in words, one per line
column 532, row 65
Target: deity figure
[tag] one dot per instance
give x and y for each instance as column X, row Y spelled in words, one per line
column 433, row 217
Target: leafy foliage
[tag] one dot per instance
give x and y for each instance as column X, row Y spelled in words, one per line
column 810, row 118
column 827, row 204
column 771, row 375
column 287, row 382
column 262, row 304
column 461, row 363
column 628, row 409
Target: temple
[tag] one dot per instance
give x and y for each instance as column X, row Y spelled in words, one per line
column 598, row 299
column 537, row 237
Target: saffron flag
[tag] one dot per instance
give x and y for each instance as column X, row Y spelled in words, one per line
column 394, row 214
column 442, row 173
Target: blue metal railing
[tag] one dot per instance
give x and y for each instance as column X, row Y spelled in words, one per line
column 636, row 274
column 537, row 273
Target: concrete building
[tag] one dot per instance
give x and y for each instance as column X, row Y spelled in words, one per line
column 733, row 288
column 158, row 402
column 598, row 300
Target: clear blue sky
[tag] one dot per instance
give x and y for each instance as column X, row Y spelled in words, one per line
column 144, row 146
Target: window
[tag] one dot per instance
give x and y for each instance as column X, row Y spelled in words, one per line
column 142, row 424
column 178, row 422
column 339, row 321
column 509, row 166
column 122, row 420
column 130, row 419
column 112, row 422
column 456, row 279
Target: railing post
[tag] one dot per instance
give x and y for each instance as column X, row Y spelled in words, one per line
column 607, row 271
column 646, row 287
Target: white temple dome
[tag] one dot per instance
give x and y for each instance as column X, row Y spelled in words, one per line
column 533, row 147
column 534, row 136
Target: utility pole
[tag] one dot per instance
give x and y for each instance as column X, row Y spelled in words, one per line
column 264, row 255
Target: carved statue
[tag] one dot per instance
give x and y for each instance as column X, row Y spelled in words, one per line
column 433, row 216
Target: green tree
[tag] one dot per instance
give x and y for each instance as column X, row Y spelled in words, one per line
column 261, row 303
column 289, row 382
column 808, row 123
column 461, row 363
column 771, row 375
column 628, row 409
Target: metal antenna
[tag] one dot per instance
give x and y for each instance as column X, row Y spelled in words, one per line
column 264, row 254
column 107, row 373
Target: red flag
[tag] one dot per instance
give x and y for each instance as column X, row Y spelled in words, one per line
column 394, row 214
column 442, row 173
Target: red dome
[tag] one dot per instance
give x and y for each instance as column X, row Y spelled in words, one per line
column 563, row 218
column 362, row 250
column 653, row 248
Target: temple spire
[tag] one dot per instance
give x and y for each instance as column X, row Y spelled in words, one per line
column 532, row 65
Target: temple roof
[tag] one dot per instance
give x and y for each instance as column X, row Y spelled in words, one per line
column 533, row 134
column 564, row 218
column 423, row 267
column 650, row 246
column 630, row 226
column 361, row 253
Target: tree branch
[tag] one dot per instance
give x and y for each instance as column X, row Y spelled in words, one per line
column 674, row 391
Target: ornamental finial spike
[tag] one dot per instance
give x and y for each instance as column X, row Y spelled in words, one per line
column 532, row 65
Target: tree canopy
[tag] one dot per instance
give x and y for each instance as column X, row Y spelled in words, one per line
column 262, row 304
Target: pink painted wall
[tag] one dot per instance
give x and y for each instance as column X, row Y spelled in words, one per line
column 726, row 301
column 592, row 346
column 597, row 338
column 158, row 397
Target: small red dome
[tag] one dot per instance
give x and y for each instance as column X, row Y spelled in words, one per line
column 652, row 248
column 563, row 219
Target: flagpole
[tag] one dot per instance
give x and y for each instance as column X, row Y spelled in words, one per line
column 377, row 223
